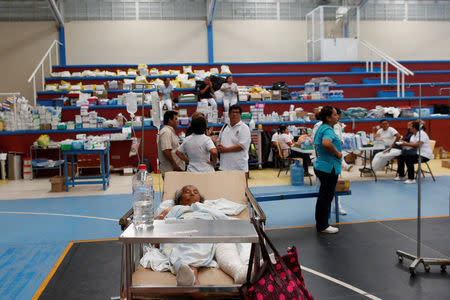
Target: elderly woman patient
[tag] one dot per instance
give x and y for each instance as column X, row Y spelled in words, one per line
column 185, row 259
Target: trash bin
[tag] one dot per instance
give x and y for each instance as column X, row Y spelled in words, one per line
column 14, row 165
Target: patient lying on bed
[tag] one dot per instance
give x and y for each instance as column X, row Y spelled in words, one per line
column 185, row 259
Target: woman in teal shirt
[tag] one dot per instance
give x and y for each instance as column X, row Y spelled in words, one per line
column 327, row 166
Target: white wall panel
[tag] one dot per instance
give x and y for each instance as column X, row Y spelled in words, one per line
column 132, row 42
column 255, row 41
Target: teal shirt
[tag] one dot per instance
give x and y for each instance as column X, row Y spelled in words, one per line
column 326, row 160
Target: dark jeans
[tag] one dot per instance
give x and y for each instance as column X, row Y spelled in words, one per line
column 326, row 194
column 409, row 160
column 304, row 156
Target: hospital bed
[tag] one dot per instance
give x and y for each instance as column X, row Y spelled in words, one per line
column 140, row 283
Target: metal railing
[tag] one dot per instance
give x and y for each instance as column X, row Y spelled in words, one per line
column 385, row 61
column 55, row 44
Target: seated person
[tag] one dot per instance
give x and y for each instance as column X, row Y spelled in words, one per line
column 206, row 94
column 286, row 142
column 388, row 134
column 198, row 149
column 381, row 159
column 185, row 259
column 411, row 157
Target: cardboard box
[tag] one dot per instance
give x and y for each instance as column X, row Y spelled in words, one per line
column 312, row 116
column 255, row 97
column 343, row 186
column 100, row 94
column 445, row 163
column 437, row 152
column 266, row 96
column 350, row 158
column 114, row 85
column 301, row 113
column 276, row 94
column 57, row 184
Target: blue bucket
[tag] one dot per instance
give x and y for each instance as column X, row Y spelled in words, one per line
column 297, row 174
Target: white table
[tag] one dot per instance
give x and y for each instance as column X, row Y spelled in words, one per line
column 300, row 150
column 181, row 231
column 369, row 149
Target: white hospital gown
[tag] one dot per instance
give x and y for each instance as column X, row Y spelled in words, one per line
column 172, row 256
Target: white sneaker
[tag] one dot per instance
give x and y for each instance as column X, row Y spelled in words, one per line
column 409, row 181
column 399, row 178
column 330, row 229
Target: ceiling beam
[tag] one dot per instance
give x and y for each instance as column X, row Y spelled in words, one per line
column 211, row 11
column 56, row 13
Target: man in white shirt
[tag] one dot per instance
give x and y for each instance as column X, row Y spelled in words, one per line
column 388, row 134
column 233, row 142
column 168, row 144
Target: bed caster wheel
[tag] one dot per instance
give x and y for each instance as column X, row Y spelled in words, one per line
column 427, row 268
column 400, row 259
column 443, row 267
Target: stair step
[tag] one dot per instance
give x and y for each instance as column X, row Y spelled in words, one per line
column 377, row 80
column 358, row 69
column 383, row 94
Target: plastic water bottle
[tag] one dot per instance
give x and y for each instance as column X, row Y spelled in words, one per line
column 297, row 174
column 142, row 198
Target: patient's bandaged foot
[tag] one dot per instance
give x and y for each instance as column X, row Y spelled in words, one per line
column 185, row 276
column 228, row 259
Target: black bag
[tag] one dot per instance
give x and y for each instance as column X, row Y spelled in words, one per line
column 284, row 88
column 217, row 81
column 198, row 84
column 441, row 109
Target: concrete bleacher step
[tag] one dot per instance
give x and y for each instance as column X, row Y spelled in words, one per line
column 383, row 94
column 359, row 69
column 377, row 80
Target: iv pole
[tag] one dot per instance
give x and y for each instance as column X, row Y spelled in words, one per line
column 417, row 259
column 143, row 86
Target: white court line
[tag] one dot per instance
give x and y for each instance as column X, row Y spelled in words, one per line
column 53, row 214
column 351, row 287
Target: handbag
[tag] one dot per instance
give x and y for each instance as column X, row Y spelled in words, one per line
column 282, row 280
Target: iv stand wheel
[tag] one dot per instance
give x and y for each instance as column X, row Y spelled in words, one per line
column 400, row 259
column 427, row 268
column 443, row 267
column 412, row 272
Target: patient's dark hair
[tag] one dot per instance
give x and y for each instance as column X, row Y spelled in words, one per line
column 179, row 193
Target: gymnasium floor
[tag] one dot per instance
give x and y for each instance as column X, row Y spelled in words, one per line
column 39, row 226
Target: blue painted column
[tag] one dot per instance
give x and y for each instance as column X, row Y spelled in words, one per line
column 210, row 44
column 62, row 48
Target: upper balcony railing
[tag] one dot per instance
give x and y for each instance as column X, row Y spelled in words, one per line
column 385, row 61
column 48, row 55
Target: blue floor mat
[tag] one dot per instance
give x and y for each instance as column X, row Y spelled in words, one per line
column 370, row 200
column 34, row 242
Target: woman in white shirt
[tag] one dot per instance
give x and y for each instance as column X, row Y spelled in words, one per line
column 166, row 94
column 230, row 92
column 198, row 149
column 411, row 158
column 286, row 141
